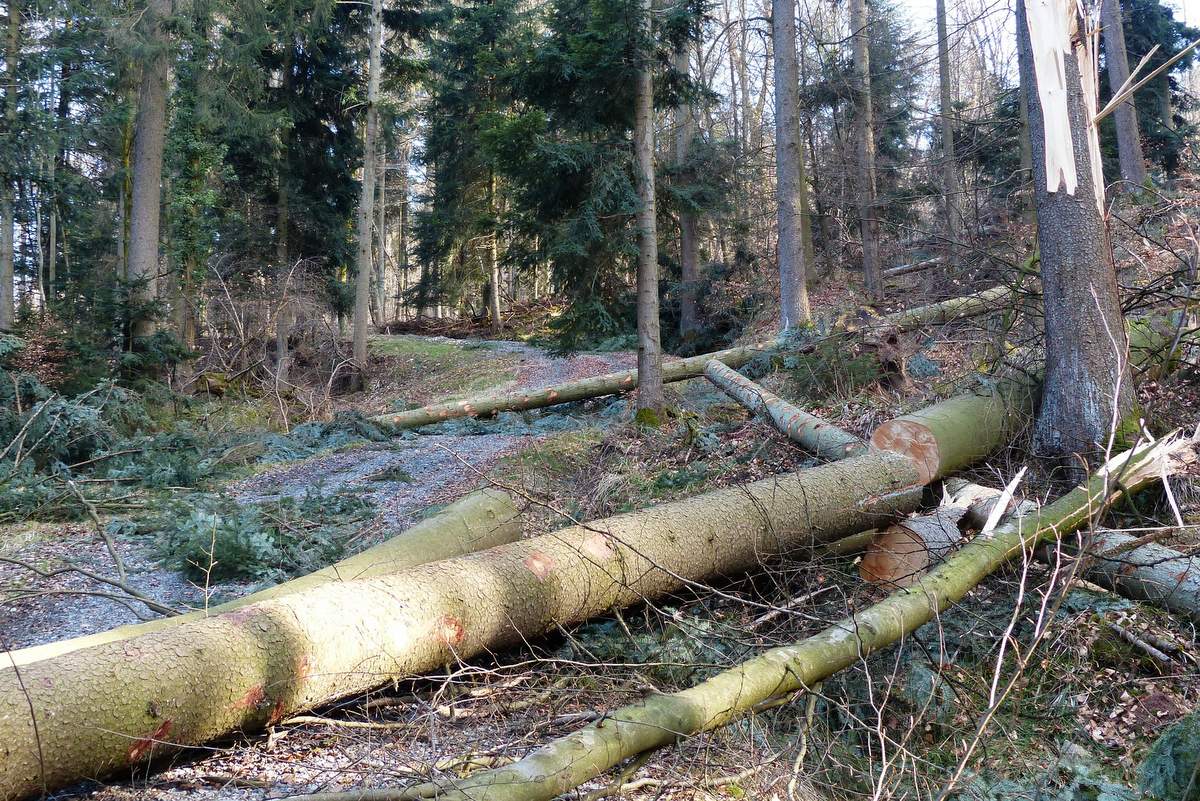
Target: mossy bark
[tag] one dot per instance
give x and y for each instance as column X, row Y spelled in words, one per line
column 481, row 520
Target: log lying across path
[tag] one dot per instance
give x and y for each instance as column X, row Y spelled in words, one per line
column 679, row 370
column 473, row 523
column 661, row 720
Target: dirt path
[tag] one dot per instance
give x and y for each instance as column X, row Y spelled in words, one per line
column 402, row 478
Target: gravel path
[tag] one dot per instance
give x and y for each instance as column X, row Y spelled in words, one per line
column 402, row 478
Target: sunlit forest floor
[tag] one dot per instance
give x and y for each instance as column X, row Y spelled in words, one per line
column 1080, row 704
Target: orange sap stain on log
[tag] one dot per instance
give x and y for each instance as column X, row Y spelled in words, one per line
column 597, row 547
column 552, row 394
column 252, row 699
column 143, row 745
column 451, row 630
column 277, row 713
column 539, row 564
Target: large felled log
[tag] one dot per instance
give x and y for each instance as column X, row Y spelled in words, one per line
column 660, row 720
column 810, row 432
column 99, row 709
column 679, row 370
column 478, row 521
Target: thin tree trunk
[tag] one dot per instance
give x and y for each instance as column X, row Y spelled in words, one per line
column 402, row 256
column 493, row 260
column 1089, row 387
column 7, row 221
column 864, row 127
column 380, row 276
column 1129, row 140
column 952, row 187
column 689, row 239
column 362, row 286
column 650, row 369
column 793, row 283
column 149, row 140
column 283, row 312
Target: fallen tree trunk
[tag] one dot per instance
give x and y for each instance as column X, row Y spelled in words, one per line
column 478, row 521
column 679, row 370
column 1145, row 571
column 99, row 709
column 809, row 432
column 661, row 720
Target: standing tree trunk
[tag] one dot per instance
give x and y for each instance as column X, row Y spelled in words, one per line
column 378, row 313
column 283, row 314
column 1129, row 141
column 650, row 387
column 493, row 260
column 952, row 189
column 149, row 139
column 1088, row 388
column 7, row 222
column 865, row 134
column 793, row 286
column 366, row 198
column 402, row 255
column 689, row 239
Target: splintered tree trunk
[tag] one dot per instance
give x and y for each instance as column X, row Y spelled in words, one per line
column 662, row 719
column 952, row 189
column 689, row 239
column 1089, row 388
column 809, row 432
column 366, row 198
column 864, row 129
column 100, row 709
column 149, row 140
column 793, row 286
column 650, row 368
column 966, row 306
column 7, row 229
column 481, row 520
column 1129, row 139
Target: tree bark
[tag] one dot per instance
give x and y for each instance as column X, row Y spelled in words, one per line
column 793, row 283
column 474, row 523
column 662, row 719
column 1145, row 571
column 366, row 199
column 689, row 240
column 149, row 140
column 493, row 260
column 626, row 380
column 864, row 127
column 1129, row 140
column 952, row 188
column 809, row 432
column 7, row 221
column 650, row 368
column 1088, row 388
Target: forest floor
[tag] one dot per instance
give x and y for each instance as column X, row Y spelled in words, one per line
column 1076, row 725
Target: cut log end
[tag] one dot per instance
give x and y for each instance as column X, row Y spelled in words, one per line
column 913, row 440
column 896, row 557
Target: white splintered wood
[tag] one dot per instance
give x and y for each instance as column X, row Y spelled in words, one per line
column 1049, row 23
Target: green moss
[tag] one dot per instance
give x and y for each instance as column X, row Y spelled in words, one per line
column 647, row 418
